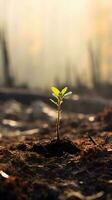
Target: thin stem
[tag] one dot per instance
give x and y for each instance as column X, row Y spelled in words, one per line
column 58, row 121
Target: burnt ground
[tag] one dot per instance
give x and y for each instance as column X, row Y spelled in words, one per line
column 34, row 166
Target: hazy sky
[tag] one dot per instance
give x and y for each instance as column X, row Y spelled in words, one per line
column 44, row 36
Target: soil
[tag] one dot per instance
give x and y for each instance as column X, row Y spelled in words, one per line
column 35, row 166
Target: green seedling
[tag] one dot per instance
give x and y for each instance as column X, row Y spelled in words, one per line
column 59, row 98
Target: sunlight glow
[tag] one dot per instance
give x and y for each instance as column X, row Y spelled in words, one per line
column 51, row 34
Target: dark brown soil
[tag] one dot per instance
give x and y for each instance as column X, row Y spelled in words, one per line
column 55, row 148
column 35, row 166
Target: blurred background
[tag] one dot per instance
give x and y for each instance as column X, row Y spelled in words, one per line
column 57, row 43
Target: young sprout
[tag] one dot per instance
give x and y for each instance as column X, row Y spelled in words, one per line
column 59, row 98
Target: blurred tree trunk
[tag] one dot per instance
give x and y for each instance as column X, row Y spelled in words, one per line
column 95, row 62
column 6, row 63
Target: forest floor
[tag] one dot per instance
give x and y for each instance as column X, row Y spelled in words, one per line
column 34, row 166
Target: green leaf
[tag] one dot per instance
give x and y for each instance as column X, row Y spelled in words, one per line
column 67, row 94
column 55, row 91
column 63, row 91
column 53, row 102
column 55, row 96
